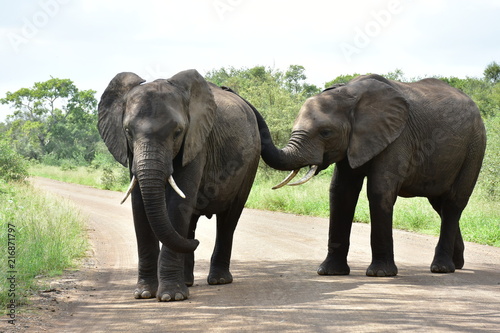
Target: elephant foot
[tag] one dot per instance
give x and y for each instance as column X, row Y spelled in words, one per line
column 333, row 267
column 444, row 263
column 145, row 289
column 458, row 259
column 219, row 277
column 172, row 292
column 441, row 265
column 381, row 268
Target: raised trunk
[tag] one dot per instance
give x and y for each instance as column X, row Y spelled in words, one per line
column 152, row 183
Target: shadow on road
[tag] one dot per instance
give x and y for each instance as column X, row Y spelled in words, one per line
column 290, row 296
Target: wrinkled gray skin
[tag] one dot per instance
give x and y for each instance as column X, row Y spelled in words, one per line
column 408, row 139
column 208, row 140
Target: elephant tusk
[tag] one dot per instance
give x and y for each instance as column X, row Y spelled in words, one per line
column 307, row 177
column 287, row 179
column 176, row 188
column 133, row 182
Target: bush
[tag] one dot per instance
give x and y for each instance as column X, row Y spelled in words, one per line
column 12, row 165
column 489, row 179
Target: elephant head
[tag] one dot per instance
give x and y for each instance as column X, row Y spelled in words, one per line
column 146, row 126
column 357, row 120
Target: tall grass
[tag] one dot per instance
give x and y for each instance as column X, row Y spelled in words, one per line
column 48, row 235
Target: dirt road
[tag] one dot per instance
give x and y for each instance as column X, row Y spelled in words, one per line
column 275, row 286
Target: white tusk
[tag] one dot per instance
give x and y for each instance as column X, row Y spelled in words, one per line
column 176, row 188
column 307, row 177
column 133, row 182
column 287, row 179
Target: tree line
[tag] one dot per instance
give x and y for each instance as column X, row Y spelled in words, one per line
column 54, row 121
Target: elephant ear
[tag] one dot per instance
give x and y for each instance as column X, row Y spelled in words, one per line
column 379, row 117
column 201, row 111
column 110, row 110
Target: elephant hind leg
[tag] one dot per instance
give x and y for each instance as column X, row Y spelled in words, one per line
column 449, row 253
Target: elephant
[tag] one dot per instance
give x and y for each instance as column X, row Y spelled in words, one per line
column 192, row 149
column 422, row 139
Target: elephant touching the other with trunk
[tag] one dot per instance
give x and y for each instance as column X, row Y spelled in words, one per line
column 408, row 139
column 192, row 149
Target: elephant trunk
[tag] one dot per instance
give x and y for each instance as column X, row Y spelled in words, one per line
column 152, row 183
column 294, row 156
column 291, row 157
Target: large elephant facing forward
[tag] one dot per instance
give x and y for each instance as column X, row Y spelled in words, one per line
column 408, row 139
column 205, row 138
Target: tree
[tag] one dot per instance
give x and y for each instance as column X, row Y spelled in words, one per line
column 294, row 77
column 492, row 72
column 341, row 79
column 53, row 117
column 277, row 95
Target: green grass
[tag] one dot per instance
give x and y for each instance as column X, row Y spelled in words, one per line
column 105, row 179
column 47, row 235
column 480, row 222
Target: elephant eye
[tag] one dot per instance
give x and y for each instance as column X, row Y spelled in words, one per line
column 177, row 133
column 326, row 133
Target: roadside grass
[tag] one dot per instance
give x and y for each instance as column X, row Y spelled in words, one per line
column 115, row 179
column 480, row 222
column 47, row 235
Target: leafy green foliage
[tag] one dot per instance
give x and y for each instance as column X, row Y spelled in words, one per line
column 53, row 117
column 489, row 178
column 13, row 167
column 492, row 73
column 277, row 95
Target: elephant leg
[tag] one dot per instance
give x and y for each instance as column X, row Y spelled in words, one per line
column 450, row 248
column 459, row 247
column 381, row 200
column 172, row 286
column 458, row 252
column 221, row 256
column 148, row 250
column 171, row 272
column 189, row 257
column 344, row 193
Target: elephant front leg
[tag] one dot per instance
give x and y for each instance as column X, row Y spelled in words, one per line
column 344, row 193
column 171, row 282
column 172, row 270
column 147, row 248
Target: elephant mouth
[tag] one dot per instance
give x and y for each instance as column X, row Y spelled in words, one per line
column 313, row 171
column 134, row 182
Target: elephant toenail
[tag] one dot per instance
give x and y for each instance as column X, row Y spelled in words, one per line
column 166, row 298
column 179, row 297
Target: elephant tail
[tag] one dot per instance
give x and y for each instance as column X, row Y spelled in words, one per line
column 265, row 134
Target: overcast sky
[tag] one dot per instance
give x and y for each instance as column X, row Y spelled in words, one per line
column 89, row 41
